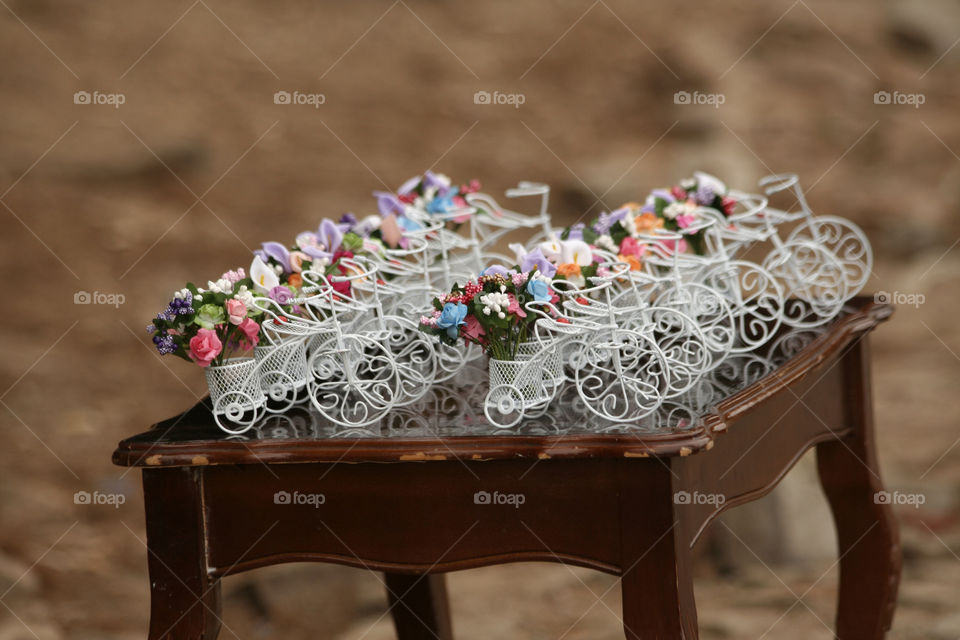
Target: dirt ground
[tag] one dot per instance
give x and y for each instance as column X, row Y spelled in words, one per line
column 199, row 164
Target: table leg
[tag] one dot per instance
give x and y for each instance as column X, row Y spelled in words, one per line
column 867, row 533
column 657, row 585
column 184, row 600
column 418, row 604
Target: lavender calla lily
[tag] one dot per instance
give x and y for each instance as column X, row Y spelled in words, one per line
column 536, row 259
column 278, row 252
column 388, row 203
column 329, row 236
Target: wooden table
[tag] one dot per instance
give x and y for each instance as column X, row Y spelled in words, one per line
column 434, row 489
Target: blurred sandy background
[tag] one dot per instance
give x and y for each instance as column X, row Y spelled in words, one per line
column 199, row 164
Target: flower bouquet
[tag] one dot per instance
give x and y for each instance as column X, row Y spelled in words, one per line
column 492, row 312
column 216, row 327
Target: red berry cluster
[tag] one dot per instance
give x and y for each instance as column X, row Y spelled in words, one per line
column 470, row 290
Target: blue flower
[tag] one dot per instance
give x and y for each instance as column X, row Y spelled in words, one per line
column 539, row 290
column 452, row 316
column 441, row 204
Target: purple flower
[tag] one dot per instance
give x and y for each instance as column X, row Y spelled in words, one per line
column 329, row 236
column 607, row 220
column 388, row 203
column 348, row 219
column 576, row 232
column 165, row 344
column 497, row 270
column 536, row 259
column 276, row 251
column 409, row 186
column 151, row 328
column 704, row 195
column 430, row 179
column 280, row 294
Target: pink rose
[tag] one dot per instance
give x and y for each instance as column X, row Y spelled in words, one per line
column 685, row 220
column 251, row 333
column 204, row 347
column 630, row 247
column 514, row 307
column 236, row 310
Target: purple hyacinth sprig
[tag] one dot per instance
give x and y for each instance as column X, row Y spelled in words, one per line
column 165, row 344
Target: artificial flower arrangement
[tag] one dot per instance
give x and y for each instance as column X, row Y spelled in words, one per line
column 420, row 197
column 206, row 326
column 276, row 270
column 490, row 311
column 672, row 209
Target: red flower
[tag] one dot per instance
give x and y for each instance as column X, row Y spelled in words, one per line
column 407, row 198
column 729, row 204
column 679, row 193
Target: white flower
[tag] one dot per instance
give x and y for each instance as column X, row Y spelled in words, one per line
column 180, row 295
column 370, row 223
column 198, row 298
column 606, row 242
column 551, row 249
column 707, row 180
column 495, row 303
column 263, row 276
column 220, row 286
column 630, row 224
column 245, row 296
column 576, row 252
column 688, row 183
column 673, row 210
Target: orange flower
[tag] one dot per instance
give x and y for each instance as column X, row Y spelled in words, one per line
column 295, row 280
column 568, row 270
column 631, row 260
column 648, row 222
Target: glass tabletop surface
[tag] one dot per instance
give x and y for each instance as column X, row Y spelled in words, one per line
column 455, row 409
